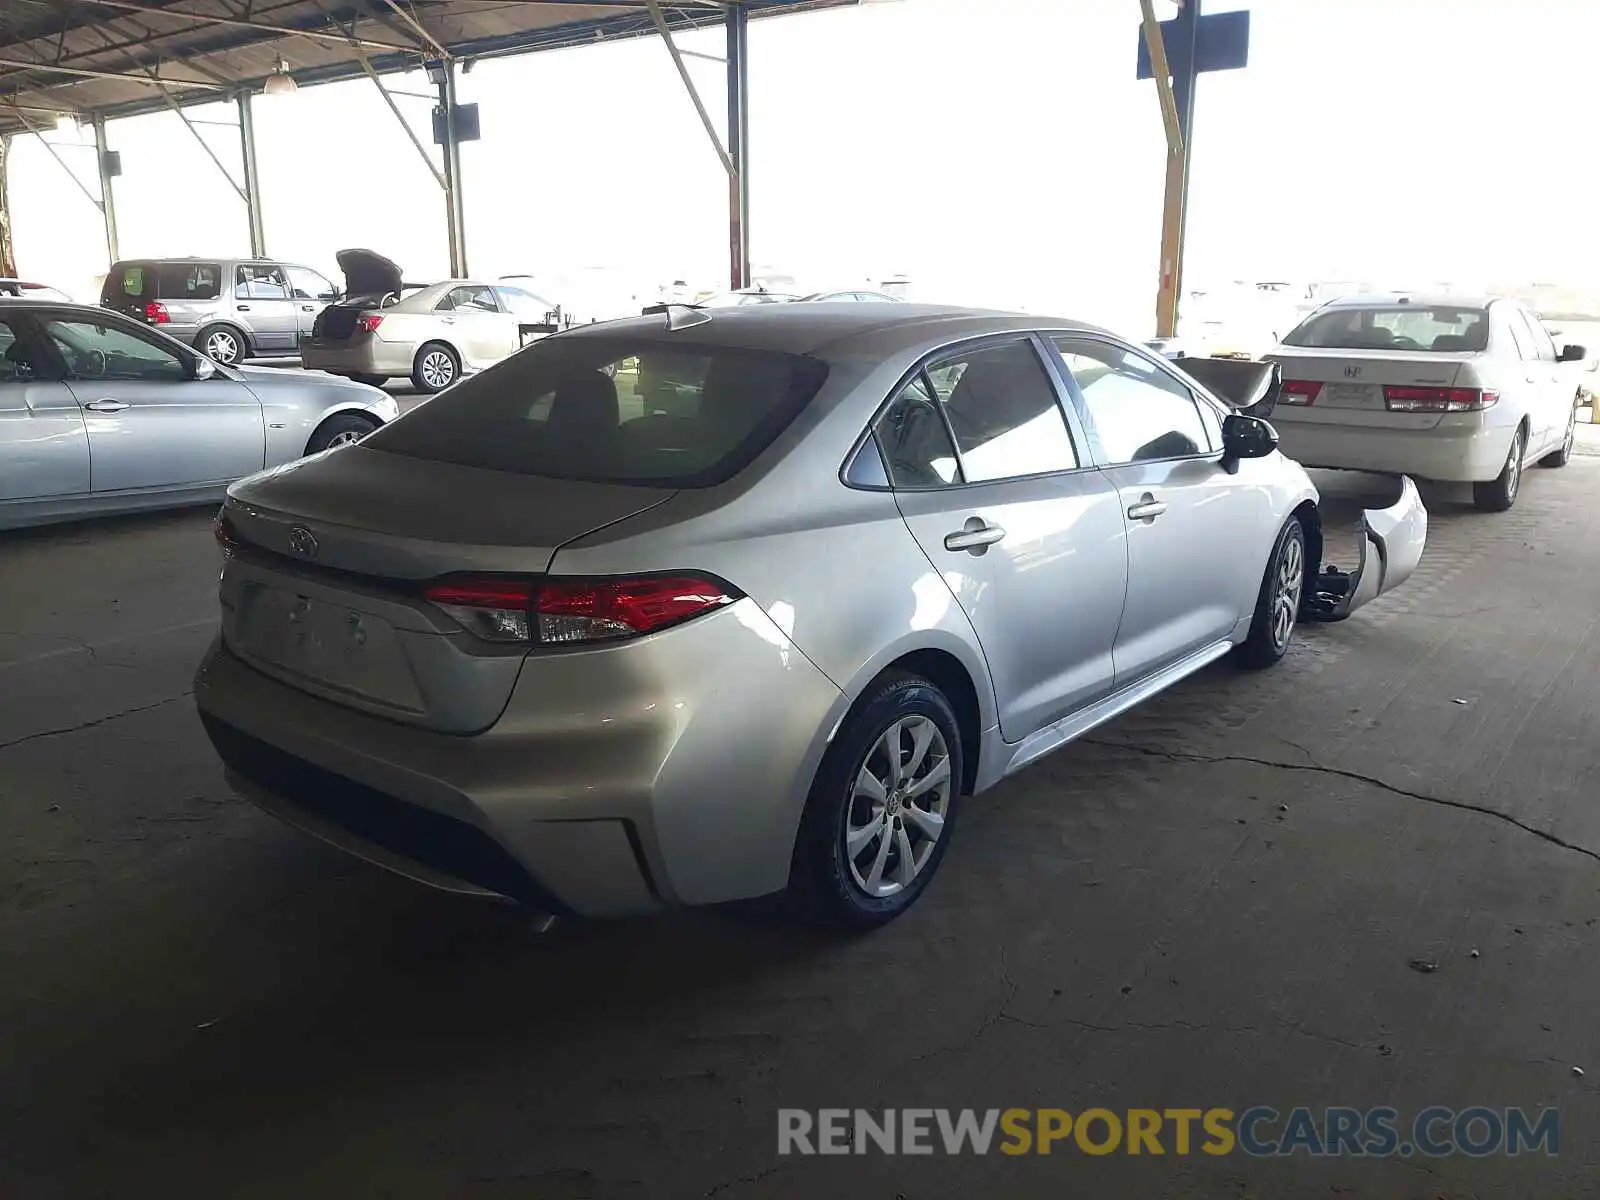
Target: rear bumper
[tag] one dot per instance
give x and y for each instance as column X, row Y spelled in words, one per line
column 1464, row 451
column 616, row 782
column 1392, row 541
column 371, row 356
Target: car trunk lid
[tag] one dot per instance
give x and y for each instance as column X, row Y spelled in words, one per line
column 326, row 569
column 1347, row 387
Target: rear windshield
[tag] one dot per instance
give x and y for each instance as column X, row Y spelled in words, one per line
column 163, row 281
column 609, row 410
column 1396, row 327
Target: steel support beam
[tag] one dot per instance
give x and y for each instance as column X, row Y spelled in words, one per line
column 316, row 35
column 252, row 178
column 739, row 144
column 660, row 20
column 204, row 145
column 108, row 203
column 56, row 154
column 120, row 76
column 455, row 213
column 1177, row 104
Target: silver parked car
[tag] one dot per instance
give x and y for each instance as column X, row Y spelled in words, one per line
column 100, row 414
column 228, row 309
column 542, row 641
column 432, row 334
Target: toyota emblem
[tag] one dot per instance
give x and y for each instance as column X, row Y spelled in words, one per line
column 302, row 542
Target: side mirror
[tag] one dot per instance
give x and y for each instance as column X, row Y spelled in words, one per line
column 1573, row 353
column 204, row 368
column 1245, row 437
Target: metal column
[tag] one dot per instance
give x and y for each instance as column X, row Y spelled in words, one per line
column 1181, row 52
column 108, row 207
column 455, row 214
column 739, row 144
column 252, row 180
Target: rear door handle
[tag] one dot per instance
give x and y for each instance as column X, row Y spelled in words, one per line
column 242, row 307
column 447, row 320
column 105, row 406
column 1148, row 509
column 977, row 536
column 307, row 308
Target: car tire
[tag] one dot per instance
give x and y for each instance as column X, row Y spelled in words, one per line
column 371, row 380
column 869, row 888
column 1277, row 610
column 435, row 368
column 1500, row 493
column 224, row 344
column 1561, row 457
column 341, row 429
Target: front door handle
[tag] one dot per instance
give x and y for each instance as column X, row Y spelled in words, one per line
column 105, row 406
column 977, row 535
column 307, row 308
column 1148, row 508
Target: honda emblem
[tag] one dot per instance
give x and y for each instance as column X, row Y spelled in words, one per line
column 1352, row 372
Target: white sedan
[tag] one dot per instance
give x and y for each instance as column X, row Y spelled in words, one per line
column 1461, row 389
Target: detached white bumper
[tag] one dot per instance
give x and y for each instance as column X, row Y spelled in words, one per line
column 1453, row 451
column 1391, row 546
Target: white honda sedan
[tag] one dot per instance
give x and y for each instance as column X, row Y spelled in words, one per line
column 1460, row 389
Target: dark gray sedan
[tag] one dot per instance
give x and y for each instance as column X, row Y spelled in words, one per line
column 100, row 414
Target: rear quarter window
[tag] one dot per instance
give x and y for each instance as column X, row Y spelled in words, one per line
column 189, row 281
column 601, row 410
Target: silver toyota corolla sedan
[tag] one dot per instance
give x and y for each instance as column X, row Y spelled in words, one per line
column 101, row 414
column 597, row 650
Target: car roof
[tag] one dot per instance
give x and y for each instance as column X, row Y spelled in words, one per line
column 1419, row 299
column 841, row 327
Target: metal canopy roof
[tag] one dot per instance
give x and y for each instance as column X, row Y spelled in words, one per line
column 119, row 58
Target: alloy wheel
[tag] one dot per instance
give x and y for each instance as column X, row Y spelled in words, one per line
column 1514, row 466
column 345, row 437
column 222, row 347
column 438, row 369
column 1286, row 592
column 898, row 804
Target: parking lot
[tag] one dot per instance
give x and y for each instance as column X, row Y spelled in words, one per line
column 1212, row 901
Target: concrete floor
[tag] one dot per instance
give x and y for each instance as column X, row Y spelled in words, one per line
column 1211, row 902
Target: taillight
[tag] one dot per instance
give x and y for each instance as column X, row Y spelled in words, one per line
column 1298, row 391
column 369, row 322
column 1437, row 399
column 222, row 529
column 568, row 612
column 156, row 313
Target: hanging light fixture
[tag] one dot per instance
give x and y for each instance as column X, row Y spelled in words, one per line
column 280, row 82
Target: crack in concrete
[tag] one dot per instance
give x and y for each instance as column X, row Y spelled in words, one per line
column 1371, row 780
column 987, row 1023
column 718, row 1189
column 109, row 717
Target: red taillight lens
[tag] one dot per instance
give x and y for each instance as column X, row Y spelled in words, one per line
column 585, row 612
column 571, row 612
column 1299, row 391
column 156, row 313
column 1437, row 399
column 369, row 322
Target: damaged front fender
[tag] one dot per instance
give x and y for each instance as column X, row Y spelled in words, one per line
column 1391, row 545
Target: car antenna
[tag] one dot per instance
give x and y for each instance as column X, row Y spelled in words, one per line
column 680, row 316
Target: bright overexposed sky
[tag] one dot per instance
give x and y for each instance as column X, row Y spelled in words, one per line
column 995, row 152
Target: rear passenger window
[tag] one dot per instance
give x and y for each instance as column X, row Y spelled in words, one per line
column 995, row 407
column 189, row 281
column 916, row 441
